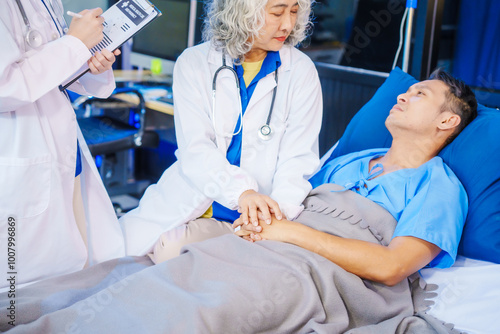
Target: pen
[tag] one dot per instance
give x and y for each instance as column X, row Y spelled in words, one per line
column 70, row 13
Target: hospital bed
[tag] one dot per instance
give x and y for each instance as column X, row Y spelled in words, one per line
column 467, row 294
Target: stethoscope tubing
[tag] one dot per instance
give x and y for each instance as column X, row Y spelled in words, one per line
column 273, row 99
column 33, row 37
column 265, row 130
column 23, row 14
column 214, row 90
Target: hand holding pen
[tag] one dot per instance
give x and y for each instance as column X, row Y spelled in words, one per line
column 88, row 27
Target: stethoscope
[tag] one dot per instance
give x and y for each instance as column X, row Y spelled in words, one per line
column 265, row 132
column 33, row 37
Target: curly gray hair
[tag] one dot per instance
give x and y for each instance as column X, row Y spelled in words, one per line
column 231, row 25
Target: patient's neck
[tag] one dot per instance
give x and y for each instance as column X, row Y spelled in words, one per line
column 409, row 154
column 393, row 161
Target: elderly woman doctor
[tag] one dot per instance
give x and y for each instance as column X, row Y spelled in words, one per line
column 247, row 109
column 55, row 215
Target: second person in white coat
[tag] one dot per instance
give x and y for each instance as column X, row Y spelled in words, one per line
column 225, row 166
column 55, row 214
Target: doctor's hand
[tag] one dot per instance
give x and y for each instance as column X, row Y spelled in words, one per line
column 102, row 61
column 245, row 231
column 251, row 203
column 88, row 28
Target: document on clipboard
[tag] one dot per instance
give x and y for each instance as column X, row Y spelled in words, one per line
column 122, row 21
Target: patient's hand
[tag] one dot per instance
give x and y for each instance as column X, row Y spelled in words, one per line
column 251, row 203
column 246, row 231
column 278, row 230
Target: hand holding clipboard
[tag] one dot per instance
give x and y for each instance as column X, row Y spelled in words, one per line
column 122, row 21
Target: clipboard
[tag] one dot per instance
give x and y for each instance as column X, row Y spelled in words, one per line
column 121, row 22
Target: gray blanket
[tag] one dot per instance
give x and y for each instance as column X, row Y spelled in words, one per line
column 228, row 285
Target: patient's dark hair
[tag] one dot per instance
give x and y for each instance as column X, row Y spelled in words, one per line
column 460, row 99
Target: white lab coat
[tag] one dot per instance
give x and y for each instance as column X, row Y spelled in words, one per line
column 279, row 167
column 38, row 133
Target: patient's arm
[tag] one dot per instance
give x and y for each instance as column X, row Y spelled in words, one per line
column 388, row 265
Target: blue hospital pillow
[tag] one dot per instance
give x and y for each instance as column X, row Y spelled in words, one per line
column 367, row 129
column 474, row 156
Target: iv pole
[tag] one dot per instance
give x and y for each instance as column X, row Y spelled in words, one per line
column 411, row 5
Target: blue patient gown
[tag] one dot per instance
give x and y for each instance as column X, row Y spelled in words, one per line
column 429, row 202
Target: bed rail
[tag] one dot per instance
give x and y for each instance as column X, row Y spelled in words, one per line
column 345, row 91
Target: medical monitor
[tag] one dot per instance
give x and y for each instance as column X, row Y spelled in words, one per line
column 166, row 38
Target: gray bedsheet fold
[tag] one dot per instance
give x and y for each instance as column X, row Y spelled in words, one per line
column 228, row 285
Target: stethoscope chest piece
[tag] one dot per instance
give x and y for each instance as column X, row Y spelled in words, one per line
column 34, row 38
column 265, row 132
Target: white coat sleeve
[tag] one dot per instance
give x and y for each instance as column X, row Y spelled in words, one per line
column 202, row 164
column 25, row 77
column 99, row 85
column 298, row 154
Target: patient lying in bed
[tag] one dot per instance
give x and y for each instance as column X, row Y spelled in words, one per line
column 357, row 285
column 408, row 180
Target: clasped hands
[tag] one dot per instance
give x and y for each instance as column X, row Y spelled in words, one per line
column 260, row 218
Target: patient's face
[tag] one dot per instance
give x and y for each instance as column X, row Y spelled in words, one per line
column 419, row 109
